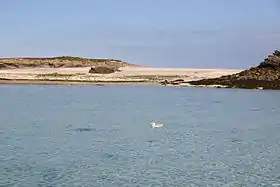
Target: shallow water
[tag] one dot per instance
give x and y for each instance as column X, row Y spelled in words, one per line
column 101, row 136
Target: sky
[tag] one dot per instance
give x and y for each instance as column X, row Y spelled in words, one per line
column 158, row 33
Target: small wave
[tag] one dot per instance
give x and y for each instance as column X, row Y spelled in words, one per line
column 84, row 129
column 254, row 109
column 50, row 177
column 236, row 141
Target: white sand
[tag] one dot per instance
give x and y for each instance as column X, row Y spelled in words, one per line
column 126, row 74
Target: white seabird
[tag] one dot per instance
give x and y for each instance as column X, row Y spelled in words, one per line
column 156, row 125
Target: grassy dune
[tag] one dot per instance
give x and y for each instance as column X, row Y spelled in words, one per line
column 56, row 62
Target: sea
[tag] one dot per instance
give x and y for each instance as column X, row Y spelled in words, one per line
column 87, row 136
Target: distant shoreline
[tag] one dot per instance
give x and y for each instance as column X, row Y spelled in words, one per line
column 81, row 71
column 96, row 83
column 126, row 76
column 67, row 70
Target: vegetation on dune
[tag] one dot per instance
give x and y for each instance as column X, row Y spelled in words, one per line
column 155, row 78
column 71, row 58
column 56, row 62
column 90, row 81
column 277, row 53
column 55, row 75
column 68, row 58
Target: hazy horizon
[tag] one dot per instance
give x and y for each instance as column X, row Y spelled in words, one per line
column 194, row 33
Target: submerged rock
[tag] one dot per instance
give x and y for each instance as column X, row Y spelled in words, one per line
column 264, row 76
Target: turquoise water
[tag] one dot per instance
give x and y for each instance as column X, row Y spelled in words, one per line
column 101, row 136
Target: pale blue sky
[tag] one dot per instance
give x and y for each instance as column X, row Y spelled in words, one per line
column 159, row 33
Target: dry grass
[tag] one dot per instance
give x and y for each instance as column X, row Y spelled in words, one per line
column 56, row 62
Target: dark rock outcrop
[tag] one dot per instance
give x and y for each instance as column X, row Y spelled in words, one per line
column 103, row 70
column 172, row 82
column 264, row 76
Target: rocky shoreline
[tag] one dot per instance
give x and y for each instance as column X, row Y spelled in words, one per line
column 264, row 76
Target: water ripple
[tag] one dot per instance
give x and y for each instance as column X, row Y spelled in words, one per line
column 68, row 137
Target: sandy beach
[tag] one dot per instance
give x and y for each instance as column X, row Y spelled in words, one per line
column 127, row 75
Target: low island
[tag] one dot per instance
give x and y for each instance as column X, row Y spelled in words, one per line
column 82, row 71
column 68, row 70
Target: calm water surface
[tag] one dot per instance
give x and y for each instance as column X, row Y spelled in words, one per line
column 101, row 136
